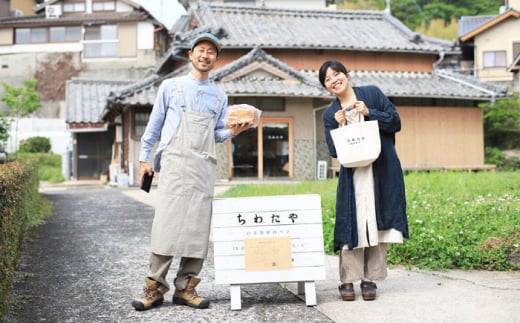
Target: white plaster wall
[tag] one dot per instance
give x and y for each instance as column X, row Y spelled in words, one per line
column 54, row 129
column 144, row 35
column 500, row 37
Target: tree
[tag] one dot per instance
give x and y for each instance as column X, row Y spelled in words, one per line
column 413, row 12
column 502, row 123
column 21, row 101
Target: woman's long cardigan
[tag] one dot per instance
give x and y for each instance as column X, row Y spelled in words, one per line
column 389, row 190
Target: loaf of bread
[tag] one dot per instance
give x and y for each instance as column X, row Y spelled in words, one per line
column 242, row 114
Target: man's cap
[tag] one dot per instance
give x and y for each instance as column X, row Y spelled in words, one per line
column 207, row 37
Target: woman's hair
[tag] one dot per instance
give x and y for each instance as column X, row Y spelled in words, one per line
column 335, row 66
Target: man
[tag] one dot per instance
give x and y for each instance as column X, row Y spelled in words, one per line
column 189, row 117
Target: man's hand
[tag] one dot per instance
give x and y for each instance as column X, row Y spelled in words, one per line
column 144, row 167
column 239, row 127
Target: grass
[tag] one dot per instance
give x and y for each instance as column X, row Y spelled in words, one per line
column 456, row 219
column 49, row 166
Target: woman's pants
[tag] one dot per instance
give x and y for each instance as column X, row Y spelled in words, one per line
column 363, row 264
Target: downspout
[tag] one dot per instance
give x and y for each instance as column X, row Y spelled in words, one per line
column 491, row 93
column 315, row 140
column 441, row 58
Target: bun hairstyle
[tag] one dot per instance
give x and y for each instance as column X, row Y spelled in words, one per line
column 335, row 66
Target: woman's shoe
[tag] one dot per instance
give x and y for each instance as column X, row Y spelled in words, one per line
column 368, row 290
column 346, row 291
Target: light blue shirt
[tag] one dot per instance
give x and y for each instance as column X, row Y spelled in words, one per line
column 200, row 96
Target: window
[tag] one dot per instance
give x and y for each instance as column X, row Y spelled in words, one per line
column 103, row 5
column 30, row 35
column 263, row 103
column 74, row 6
column 516, row 49
column 47, row 35
column 100, row 41
column 64, row 34
column 494, row 59
column 140, row 122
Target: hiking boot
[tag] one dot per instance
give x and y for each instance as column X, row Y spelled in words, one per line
column 151, row 296
column 188, row 296
column 368, row 290
column 346, row 291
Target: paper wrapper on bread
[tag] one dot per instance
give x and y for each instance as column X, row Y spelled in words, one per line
column 242, row 113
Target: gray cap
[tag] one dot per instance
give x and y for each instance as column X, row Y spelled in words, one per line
column 207, row 37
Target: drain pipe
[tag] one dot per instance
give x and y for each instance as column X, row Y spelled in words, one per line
column 315, row 139
column 441, row 58
column 492, row 93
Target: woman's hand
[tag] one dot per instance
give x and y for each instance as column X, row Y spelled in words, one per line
column 360, row 107
column 340, row 117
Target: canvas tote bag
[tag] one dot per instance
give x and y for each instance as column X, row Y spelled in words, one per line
column 357, row 144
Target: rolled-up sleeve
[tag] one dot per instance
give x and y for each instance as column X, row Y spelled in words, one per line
column 221, row 132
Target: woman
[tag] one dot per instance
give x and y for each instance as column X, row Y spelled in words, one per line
column 370, row 201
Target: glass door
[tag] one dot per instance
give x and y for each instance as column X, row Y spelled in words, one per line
column 244, row 154
column 263, row 152
column 275, row 144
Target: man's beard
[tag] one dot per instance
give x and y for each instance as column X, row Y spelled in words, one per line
column 203, row 69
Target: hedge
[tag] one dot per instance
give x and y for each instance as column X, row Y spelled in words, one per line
column 18, row 198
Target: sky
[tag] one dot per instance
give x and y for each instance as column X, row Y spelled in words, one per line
column 166, row 11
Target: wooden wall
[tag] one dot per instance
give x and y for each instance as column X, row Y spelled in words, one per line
column 361, row 61
column 439, row 136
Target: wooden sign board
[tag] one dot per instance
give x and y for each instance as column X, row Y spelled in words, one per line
column 268, row 239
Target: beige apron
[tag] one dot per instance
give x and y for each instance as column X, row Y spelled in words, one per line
column 182, row 221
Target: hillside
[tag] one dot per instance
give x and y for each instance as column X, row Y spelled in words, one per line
column 436, row 18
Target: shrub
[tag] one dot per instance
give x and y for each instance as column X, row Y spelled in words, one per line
column 21, row 207
column 494, row 156
column 49, row 166
column 35, row 145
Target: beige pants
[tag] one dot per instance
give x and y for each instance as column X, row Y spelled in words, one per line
column 363, row 264
column 159, row 266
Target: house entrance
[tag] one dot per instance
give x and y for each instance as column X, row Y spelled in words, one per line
column 263, row 152
column 94, row 153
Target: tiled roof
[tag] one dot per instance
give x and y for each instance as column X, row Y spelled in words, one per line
column 77, row 19
column 468, row 23
column 440, row 84
column 490, row 23
column 86, row 99
column 247, row 27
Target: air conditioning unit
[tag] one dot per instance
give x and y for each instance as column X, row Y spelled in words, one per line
column 16, row 13
column 53, row 11
column 321, row 171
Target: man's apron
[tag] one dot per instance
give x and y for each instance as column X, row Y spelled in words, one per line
column 182, row 221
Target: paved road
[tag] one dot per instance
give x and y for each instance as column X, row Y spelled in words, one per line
column 89, row 261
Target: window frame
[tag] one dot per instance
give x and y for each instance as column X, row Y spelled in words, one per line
column 103, row 3
column 488, row 56
column 141, row 111
column 101, row 43
column 263, row 103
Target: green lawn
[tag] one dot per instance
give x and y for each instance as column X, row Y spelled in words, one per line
column 456, row 219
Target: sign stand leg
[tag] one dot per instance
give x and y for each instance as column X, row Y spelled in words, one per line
column 236, row 300
column 310, row 292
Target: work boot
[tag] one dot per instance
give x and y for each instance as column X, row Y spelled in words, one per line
column 188, row 296
column 151, row 296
